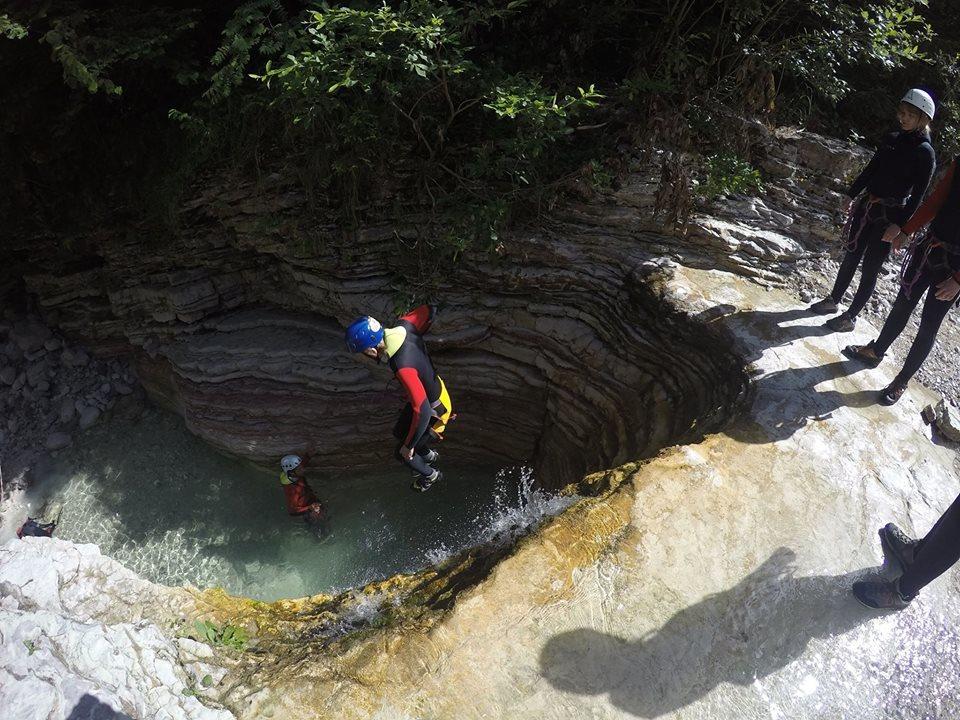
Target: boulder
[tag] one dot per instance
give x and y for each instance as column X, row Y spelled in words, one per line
column 88, row 416
column 58, row 440
column 945, row 417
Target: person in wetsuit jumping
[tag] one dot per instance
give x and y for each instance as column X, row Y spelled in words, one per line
column 895, row 181
column 428, row 410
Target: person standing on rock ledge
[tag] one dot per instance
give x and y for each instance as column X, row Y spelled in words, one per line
column 895, row 180
column 425, row 416
column 932, row 266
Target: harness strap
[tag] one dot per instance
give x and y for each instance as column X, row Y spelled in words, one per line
column 863, row 208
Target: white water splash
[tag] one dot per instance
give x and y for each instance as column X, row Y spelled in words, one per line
column 519, row 508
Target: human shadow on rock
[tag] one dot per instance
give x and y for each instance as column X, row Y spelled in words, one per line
column 747, row 632
column 766, row 325
column 90, row 708
column 787, row 401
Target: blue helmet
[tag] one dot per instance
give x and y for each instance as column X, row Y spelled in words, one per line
column 363, row 333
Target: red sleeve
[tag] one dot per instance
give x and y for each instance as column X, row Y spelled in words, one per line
column 420, row 318
column 928, row 210
column 418, row 401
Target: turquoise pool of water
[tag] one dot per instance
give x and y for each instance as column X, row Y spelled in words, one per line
column 169, row 507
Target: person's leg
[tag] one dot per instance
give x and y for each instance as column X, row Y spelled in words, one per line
column 421, row 451
column 934, row 311
column 876, row 254
column 936, row 554
column 899, row 315
column 847, row 269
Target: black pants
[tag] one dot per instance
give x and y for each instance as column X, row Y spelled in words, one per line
column 873, row 252
column 935, row 554
column 934, row 311
column 420, row 450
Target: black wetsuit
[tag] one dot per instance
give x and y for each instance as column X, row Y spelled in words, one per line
column 935, row 554
column 932, row 260
column 895, row 180
column 423, row 418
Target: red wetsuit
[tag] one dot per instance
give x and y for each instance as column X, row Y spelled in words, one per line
column 299, row 494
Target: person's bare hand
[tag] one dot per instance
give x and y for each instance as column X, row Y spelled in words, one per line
column 948, row 289
column 406, row 453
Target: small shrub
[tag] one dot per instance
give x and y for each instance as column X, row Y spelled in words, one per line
column 227, row 636
column 728, row 174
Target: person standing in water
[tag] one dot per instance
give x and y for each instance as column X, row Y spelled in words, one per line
column 301, row 500
column 932, row 266
column 895, row 180
column 428, row 410
column 917, row 563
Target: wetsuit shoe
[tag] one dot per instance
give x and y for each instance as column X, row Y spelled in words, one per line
column 431, row 456
column 898, row 547
column 841, row 323
column 864, row 354
column 880, row 594
column 824, row 307
column 422, row 484
column 892, row 393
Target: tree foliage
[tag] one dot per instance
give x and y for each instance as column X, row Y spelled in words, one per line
column 469, row 106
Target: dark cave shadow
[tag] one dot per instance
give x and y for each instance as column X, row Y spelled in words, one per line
column 91, row 708
column 747, row 632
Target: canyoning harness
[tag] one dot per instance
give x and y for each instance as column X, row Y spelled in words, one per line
column 928, row 254
column 868, row 210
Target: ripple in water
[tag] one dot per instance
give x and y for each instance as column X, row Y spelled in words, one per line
column 175, row 511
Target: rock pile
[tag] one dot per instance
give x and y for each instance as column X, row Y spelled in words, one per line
column 50, row 388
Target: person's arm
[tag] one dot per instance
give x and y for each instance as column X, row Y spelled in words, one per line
column 923, row 170
column 860, row 184
column 417, row 396
column 421, row 318
column 931, row 206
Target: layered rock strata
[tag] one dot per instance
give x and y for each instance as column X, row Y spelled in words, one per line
column 556, row 351
column 710, row 581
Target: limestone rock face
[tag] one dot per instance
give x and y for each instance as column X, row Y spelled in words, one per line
column 81, row 634
column 236, row 322
column 710, row 581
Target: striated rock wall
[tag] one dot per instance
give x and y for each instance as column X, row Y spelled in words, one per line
column 557, row 349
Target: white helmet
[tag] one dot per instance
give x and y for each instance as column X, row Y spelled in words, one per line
column 290, row 462
column 921, row 100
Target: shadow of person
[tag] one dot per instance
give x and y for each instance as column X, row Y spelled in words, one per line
column 90, row 708
column 747, row 632
column 788, row 400
column 766, row 325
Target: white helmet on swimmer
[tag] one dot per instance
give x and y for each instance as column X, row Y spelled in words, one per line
column 921, row 100
column 290, row 462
